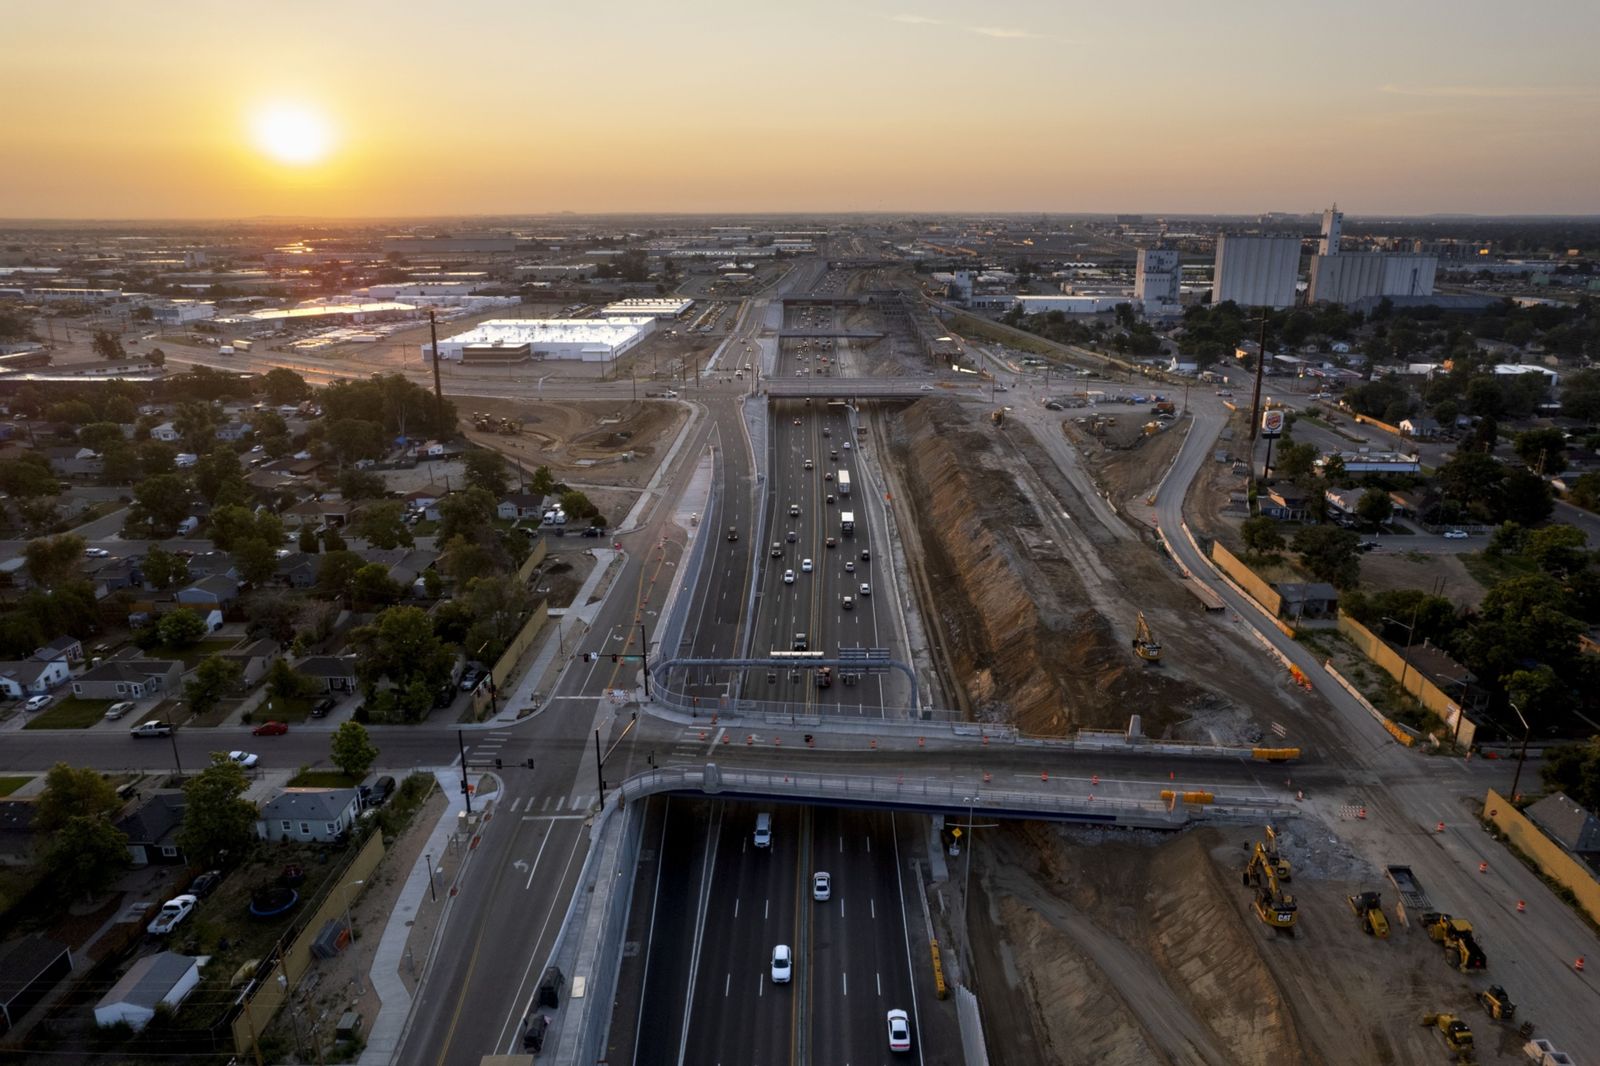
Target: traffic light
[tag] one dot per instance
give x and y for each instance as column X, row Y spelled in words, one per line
column 616, row 658
column 497, row 764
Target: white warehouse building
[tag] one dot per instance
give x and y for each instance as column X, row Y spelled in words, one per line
column 1255, row 271
column 1070, row 305
column 666, row 307
column 589, row 340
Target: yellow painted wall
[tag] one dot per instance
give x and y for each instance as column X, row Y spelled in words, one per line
column 1259, row 590
column 1552, row 861
column 1412, row 680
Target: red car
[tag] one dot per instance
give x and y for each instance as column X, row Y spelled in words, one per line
column 271, row 729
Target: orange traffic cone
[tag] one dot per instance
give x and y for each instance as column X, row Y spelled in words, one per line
column 1439, row 828
column 1579, row 964
column 1483, row 867
column 1521, row 907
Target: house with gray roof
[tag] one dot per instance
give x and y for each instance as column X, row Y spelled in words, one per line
column 309, row 814
column 68, row 648
column 29, row 968
column 1568, row 824
column 152, row 830
column 331, row 673
column 128, row 679
column 254, row 660
column 218, row 590
column 164, row 979
column 33, row 677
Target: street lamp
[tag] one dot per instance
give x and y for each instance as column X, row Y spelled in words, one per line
column 1405, row 658
column 1521, row 754
column 361, row 981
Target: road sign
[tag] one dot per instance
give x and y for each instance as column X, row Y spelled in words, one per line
column 956, row 833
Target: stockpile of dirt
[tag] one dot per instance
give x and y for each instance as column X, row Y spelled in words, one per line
column 580, row 441
column 1018, row 627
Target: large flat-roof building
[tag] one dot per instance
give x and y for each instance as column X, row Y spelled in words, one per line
column 589, row 340
column 664, row 307
column 1345, row 277
column 1256, row 271
column 321, row 314
column 1069, row 305
column 1157, row 281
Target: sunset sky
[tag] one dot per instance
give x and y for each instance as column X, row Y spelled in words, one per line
column 188, row 109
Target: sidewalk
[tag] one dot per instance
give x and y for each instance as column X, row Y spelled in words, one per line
column 384, row 1038
column 570, row 625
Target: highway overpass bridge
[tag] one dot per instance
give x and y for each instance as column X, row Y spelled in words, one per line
column 826, row 334
column 832, row 388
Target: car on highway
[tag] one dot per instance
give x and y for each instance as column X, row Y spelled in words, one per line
column 925, row 388
column 794, row 510
column 777, row 550
column 847, row 603
column 172, row 913
column 833, row 454
column 37, row 703
column 899, row 1030
column 782, row 965
column 1455, row 534
column 866, row 555
column 797, row 421
column 245, row 759
column 826, row 432
column 866, row 589
column 805, row 566
column 830, row 499
column 847, row 446
column 788, row 577
column 828, row 476
column 832, row 542
column 809, row 465
column 152, row 728
column 821, row 886
column 733, row 534
column 849, row 566
column 272, row 729
column 117, row 710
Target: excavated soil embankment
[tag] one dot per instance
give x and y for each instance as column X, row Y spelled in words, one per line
column 1015, row 620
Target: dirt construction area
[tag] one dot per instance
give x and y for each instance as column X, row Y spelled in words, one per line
column 1132, row 948
column 581, row 442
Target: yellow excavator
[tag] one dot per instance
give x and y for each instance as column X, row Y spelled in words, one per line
column 1280, row 865
column 1145, row 644
column 1275, row 907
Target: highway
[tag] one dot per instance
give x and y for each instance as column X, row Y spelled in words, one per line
column 717, row 906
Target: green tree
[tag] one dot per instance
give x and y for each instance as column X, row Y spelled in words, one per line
column 287, row 683
column 1261, row 535
column 119, row 463
column 1508, row 538
column 54, row 561
column 382, row 525
column 362, row 485
column 332, row 540
column 196, row 424
column 180, row 628
column 352, row 750
column 157, row 457
column 486, row 470
column 1295, row 461
column 159, row 504
column 1558, row 549
column 336, row 574
column 402, row 646
column 1580, row 395
column 1329, row 553
column 578, row 505
column 372, row 586
column 467, row 513
column 98, row 435
column 308, row 540
column 352, row 438
column 71, row 791
column 218, row 822
column 283, row 386
column 213, row 679
column 29, row 475
column 163, row 570
column 1544, row 450
column 432, row 583
column 257, row 560
column 85, row 855
column 1574, row 769
column 542, row 482
column 1525, row 498
column 216, row 471
column 466, row 559
column 1585, row 492
column 108, row 345
column 1374, row 507
column 272, row 614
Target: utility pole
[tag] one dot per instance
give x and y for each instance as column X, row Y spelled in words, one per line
column 438, row 390
column 599, row 769
column 644, row 658
column 465, row 791
column 1261, row 366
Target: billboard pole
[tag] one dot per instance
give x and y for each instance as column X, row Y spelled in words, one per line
column 1261, row 365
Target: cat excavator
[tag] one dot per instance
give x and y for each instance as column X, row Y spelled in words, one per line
column 1275, row 907
column 1145, row 645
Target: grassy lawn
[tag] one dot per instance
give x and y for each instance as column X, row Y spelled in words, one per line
column 69, row 712
column 424, row 528
column 9, row 785
column 323, row 779
column 1488, row 570
column 279, row 709
column 195, row 653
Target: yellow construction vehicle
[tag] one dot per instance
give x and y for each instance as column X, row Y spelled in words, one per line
column 1280, row 865
column 1368, row 908
column 1145, row 645
column 1272, row 904
column 1457, row 1034
column 1460, row 946
column 1497, row 1003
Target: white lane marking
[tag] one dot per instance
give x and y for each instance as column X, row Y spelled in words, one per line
column 736, row 907
column 515, row 804
column 879, row 979
column 546, row 806
column 655, row 903
column 535, row 867
column 766, row 910
column 761, row 986
column 869, row 845
column 841, row 908
column 727, row 985
column 554, row 817
column 874, row 908
column 841, row 843
column 844, row 982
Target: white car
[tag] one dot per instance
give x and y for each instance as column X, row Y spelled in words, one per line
column 782, row 965
column 925, row 388
column 172, row 912
column 1455, row 534
column 96, row 553
column 899, row 1031
column 788, row 577
column 37, row 703
column 821, row 886
column 117, row 710
column 805, row 566
column 244, row 758
column 866, row 589
column 808, row 464
column 794, row 510
column 849, row 566
column 846, row 445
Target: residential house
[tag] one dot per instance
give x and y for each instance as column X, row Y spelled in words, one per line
column 128, row 679
column 254, row 660
column 82, row 464
column 166, row 432
column 233, row 431
column 1419, row 428
column 114, row 574
column 68, row 648
column 405, row 564
column 426, row 500
column 33, row 677
column 318, row 513
column 212, row 563
column 152, row 830
column 1287, row 503
column 298, row 570
column 1342, row 504
column 32, row 967
column 521, row 505
column 330, row 673
column 1572, row 826
column 309, row 814
column 164, row 979
column 1306, row 599
column 216, row 591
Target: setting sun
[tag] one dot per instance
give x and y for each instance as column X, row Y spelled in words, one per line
column 293, row 134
